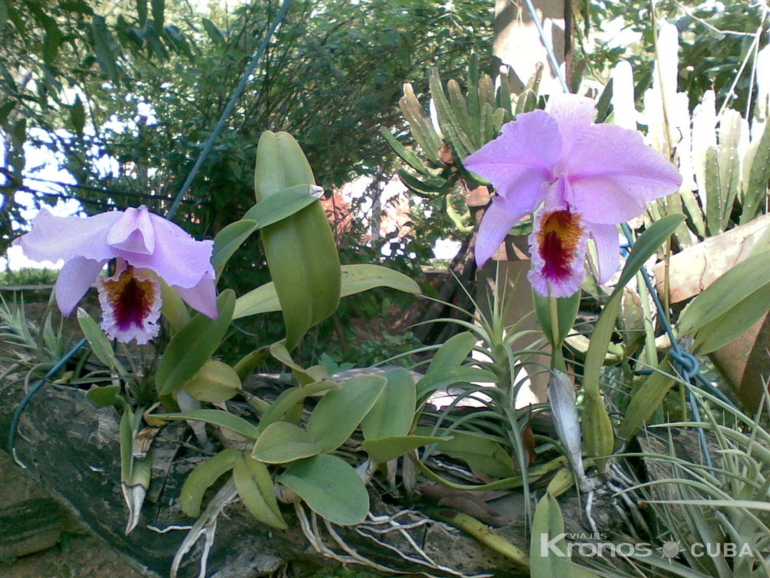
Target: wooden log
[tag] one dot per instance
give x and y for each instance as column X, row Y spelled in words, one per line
column 30, row 526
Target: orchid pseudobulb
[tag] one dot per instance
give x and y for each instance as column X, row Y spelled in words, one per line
column 588, row 178
column 146, row 247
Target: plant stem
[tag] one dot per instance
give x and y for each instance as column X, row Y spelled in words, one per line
column 557, row 358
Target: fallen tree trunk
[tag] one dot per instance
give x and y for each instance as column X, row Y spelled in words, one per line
column 71, row 446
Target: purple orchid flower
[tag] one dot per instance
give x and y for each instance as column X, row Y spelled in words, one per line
column 588, row 177
column 147, row 247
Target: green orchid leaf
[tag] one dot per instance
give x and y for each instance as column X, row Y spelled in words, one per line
column 202, row 478
column 216, row 417
column 389, row 448
column 255, row 487
column 282, row 442
column 729, row 326
column 646, row 399
column 290, row 398
column 547, row 524
column 355, row 279
column 282, row 205
column 340, row 411
column 393, row 412
column 214, row 383
column 193, row 346
column 729, row 291
column 601, row 336
column 104, row 396
column 330, row 487
column 300, row 249
column 228, row 240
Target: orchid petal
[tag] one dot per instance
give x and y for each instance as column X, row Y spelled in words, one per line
column 574, row 114
column 74, row 280
column 178, row 259
column 614, row 174
column 520, row 160
column 53, row 238
column 494, row 227
column 133, row 232
column 607, row 249
column 202, row 297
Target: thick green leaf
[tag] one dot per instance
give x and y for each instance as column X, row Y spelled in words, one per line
column 340, row 411
column 289, row 399
column 446, row 376
column 601, row 336
column 107, row 395
column 359, row 278
column 215, row 382
column 216, row 417
column 202, row 478
column 453, row 352
column 228, row 240
column 549, row 559
column 646, row 399
column 193, row 346
column 282, row 442
column 393, row 412
column 255, row 487
column 331, row 488
column 300, row 249
column 731, row 325
column 282, row 205
column 727, row 292
column 355, row 279
column 482, row 454
column 389, row 448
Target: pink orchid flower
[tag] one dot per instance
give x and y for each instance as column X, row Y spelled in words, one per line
column 587, row 177
column 146, row 247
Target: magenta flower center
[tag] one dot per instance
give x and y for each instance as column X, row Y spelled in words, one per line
column 131, row 299
column 558, row 242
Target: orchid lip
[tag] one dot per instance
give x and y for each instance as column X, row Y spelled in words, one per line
column 558, row 246
column 131, row 302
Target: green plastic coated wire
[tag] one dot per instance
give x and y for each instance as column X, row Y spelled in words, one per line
column 177, row 200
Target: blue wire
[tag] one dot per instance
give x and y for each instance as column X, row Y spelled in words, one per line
column 687, row 364
column 35, row 388
column 177, row 200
